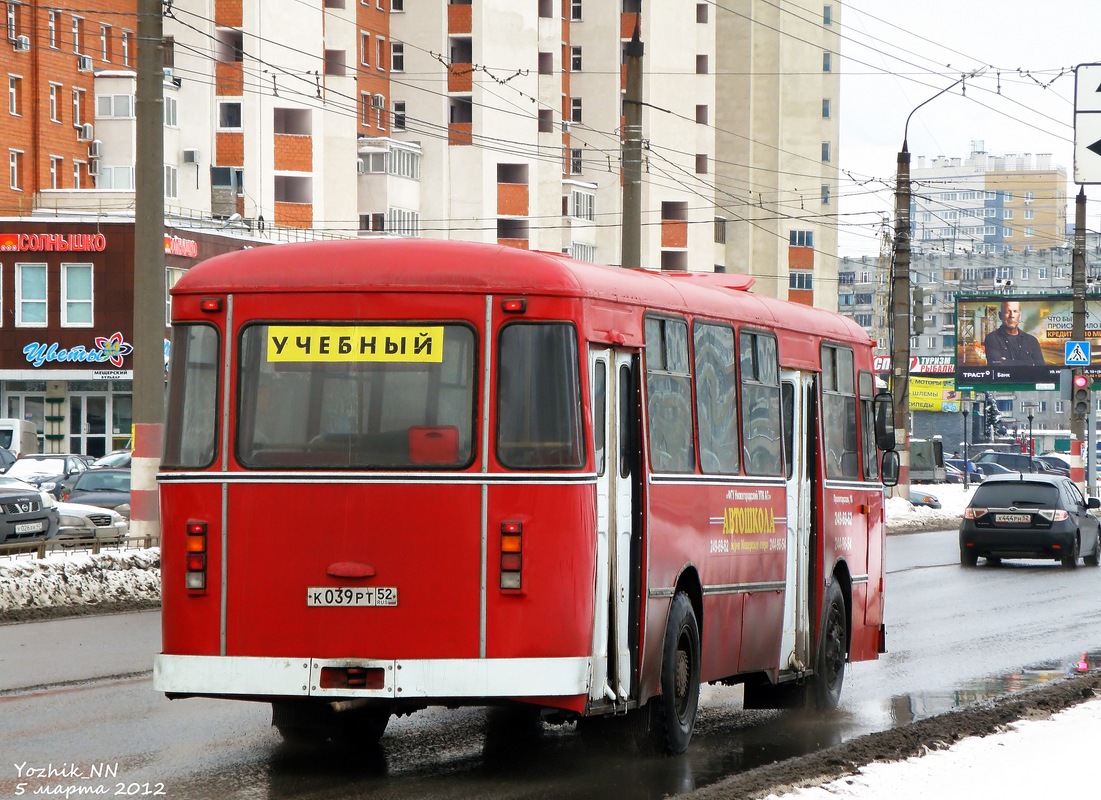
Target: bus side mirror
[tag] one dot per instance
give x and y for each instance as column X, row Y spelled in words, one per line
column 884, row 411
column 890, row 468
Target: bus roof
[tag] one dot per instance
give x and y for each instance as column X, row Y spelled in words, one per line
column 434, row 265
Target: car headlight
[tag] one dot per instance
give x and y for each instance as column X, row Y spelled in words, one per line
column 68, row 521
column 123, row 510
column 47, row 499
column 47, row 486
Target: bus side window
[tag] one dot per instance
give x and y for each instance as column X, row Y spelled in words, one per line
column 434, row 444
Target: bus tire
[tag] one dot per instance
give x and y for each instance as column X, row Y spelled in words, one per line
column 829, row 670
column 675, row 709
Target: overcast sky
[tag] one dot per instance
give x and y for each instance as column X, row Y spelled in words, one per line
column 899, row 53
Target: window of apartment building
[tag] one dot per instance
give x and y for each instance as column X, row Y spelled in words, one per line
column 1007, row 233
column 1029, row 197
column 30, row 295
column 575, row 109
column 336, row 62
column 863, row 320
column 825, row 194
column 378, row 105
column 55, row 109
column 583, row 252
column 546, row 63
column 546, row 120
column 171, row 111
column 1030, row 213
column 397, row 57
column 232, row 178
column 701, row 13
column 575, row 11
column 576, row 161
column 365, row 48
column 78, row 107
column 402, row 222
column 800, row 279
column 365, row 108
column 826, row 151
column 117, row 177
column 56, row 164
column 701, row 114
column 575, row 59
column 171, row 182
column 334, row 3
column 115, row 105
column 76, row 295
column 846, row 278
column 1007, row 213
column 827, row 15
column 801, row 238
column 720, row 230
column 380, row 53
column 827, row 61
column 701, row 163
column 78, row 35
column 51, row 28
column 399, row 115
column 826, row 108
column 1029, row 232
column 105, row 42
column 582, row 205
column 15, row 169
column 229, row 46
column 124, row 47
column 397, row 5
column 15, row 95
column 701, row 65
column 13, row 21
column 229, row 115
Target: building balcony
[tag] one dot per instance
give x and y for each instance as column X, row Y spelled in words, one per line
column 458, row 19
column 293, row 215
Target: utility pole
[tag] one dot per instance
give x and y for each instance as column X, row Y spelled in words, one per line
column 148, row 358
column 1079, row 417
column 900, row 314
column 632, row 155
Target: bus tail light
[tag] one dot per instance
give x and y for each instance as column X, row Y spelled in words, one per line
column 195, row 578
column 511, row 558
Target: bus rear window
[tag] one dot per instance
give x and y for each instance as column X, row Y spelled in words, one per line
column 191, row 422
column 366, row 396
column 538, row 397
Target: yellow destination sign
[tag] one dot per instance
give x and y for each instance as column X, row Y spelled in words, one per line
column 385, row 343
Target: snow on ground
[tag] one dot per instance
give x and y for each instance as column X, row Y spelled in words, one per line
column 1034, row 758
column 73, row 578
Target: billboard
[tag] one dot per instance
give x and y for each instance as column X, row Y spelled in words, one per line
column 1016, row 339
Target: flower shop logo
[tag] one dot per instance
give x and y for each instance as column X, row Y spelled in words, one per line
column 108, row 349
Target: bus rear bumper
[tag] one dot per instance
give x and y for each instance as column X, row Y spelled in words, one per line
column 398, row 679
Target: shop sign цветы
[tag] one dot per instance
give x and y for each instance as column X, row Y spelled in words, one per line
column 112, row 349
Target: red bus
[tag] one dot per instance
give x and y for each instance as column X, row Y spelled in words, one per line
column 404, row 473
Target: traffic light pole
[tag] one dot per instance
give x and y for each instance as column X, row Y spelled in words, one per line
column 1080, row 412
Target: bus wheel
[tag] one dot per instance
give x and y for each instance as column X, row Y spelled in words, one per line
column 676, row 708
column 360, row 727
column 832, row 651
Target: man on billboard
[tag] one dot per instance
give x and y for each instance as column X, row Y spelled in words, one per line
column 1009, row 345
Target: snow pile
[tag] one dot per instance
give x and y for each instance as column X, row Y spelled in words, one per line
column 69, row 580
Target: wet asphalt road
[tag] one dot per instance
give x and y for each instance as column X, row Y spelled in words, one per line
column 95, row 723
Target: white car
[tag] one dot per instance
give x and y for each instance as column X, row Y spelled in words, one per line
column 80, row 521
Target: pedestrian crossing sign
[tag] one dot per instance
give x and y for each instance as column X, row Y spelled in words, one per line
column 1076, row 354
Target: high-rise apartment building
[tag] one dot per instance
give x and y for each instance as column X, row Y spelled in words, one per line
column 486, row 120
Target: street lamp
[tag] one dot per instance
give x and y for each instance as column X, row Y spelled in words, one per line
column 900, row 300
column 965, row 415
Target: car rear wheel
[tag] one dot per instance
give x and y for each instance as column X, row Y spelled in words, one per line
column 968, row 558
column 1070, row 560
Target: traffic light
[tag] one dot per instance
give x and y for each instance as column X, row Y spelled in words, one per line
column 1080, row 396
column 917, row 313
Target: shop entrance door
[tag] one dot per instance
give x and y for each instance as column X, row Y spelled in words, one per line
column 88, row 432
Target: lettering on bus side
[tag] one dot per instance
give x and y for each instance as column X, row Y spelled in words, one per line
column 844, row 516
column 750, row 526
column 390, row 343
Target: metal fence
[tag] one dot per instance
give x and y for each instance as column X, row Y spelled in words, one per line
column 47, row 547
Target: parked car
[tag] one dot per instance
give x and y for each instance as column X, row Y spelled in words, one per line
column 116, row 458
column 7, row 458
column 105, row 487
column 80, row 521
column 952, row 474
column 1056, row 463
column 27, row 514
column 48, row 470
column 920, row 498
column 988, row 468
column 1030, row 515
column 1018, row 462
column 973, row 473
